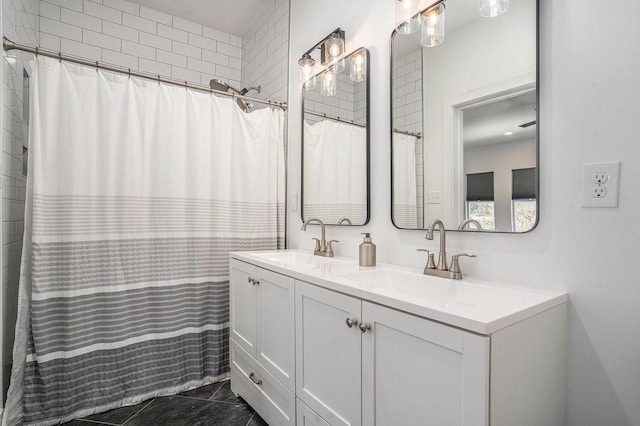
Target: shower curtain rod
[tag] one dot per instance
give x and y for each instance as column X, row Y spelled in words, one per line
column 331, row 117
column 10, row 45
column 404, row 132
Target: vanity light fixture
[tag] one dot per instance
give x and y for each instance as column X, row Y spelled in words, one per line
column 331, row 50
column 433, row 25
column 508, row 133
column 358, row 66
column 493, row 8
column 407, row 16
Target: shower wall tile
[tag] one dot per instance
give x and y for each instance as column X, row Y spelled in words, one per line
column 265, row 53
column 125, row 34
column 21, row 22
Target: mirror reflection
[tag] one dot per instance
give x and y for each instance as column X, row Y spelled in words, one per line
column 335, row 143
column 464, row 119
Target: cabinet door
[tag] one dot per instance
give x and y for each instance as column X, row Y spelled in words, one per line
column 328, row 354
column 305, row 416
column 416, row 371
column 276, row 347
column 242, row 299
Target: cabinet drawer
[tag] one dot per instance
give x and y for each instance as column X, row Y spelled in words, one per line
column 274, row 403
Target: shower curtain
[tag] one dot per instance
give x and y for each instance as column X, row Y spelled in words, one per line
column 137, row 192
column 335, row 171
column 405, row 209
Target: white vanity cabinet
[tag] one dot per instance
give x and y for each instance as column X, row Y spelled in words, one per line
column 392, row 368
column 326, row 345
column 262, row 341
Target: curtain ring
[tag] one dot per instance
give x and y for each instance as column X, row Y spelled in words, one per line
column 59, row 56
column 36, row 50
column 186, row 85
column 158, row 78
column 97, row 66
column 129, row 72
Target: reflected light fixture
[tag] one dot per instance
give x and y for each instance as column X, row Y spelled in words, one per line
column 331, row 50
column 433, row 25
column 493, row 8
column 407, row 16
column 329, row 83
column 358, row 65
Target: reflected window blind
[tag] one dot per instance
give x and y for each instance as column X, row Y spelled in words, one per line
column 523, row 184
column 480, row 186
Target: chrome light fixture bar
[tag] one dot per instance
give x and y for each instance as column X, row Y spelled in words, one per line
column 331, row 49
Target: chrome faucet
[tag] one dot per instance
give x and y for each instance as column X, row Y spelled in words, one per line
column 442, row 257
column 441, row 269
column 323, row 247
column 469, row 222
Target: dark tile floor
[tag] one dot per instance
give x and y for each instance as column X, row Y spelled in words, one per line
column 209, row 405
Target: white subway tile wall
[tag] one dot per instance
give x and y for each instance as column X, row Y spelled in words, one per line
column 123, row 33
column 20, row 24
column 407, row 113
column 265, row 54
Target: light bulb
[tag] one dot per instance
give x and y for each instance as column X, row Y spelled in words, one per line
column 493, row 8
column 329, row 84
column 433, row 26
column 334, row 46
column 306, row 64
column 357, row 67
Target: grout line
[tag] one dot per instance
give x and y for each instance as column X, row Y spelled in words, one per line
column 249, row 422
column 138, row 412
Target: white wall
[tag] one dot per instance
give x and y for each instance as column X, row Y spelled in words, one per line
column 20, row 24
column 589, row 92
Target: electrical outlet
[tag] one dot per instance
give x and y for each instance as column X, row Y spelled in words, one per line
column 600, row 177
column 599, row 191
column 600, row 184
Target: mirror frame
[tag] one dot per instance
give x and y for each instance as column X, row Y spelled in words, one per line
column 454, row 113
column 368, row 140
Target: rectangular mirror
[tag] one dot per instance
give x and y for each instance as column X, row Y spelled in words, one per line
column 335, row 142
column 464, row 119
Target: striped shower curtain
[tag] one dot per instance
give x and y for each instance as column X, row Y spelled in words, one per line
column 137, row 191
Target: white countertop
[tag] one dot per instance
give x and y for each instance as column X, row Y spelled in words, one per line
column 479, row 306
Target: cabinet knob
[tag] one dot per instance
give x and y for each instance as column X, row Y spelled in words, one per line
column 364, row 326
column 253, row 281
column 252, row 376
column 351, row 322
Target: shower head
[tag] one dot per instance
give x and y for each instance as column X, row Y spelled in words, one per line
column 221, row 86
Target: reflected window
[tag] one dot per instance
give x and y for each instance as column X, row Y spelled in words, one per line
column 523, row 199
column 480, row 199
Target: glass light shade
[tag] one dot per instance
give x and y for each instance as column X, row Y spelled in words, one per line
column 310, row 84
column 493, row 8
column 333, row 47
column 433, row 26
column 407, row 16
column 329, row 83
column 338, row 66
column 306, row 64
column 358, row 66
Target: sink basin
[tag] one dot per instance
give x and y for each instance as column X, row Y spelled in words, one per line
column 294, row 258
column 398, row 283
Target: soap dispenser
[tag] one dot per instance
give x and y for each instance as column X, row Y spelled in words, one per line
column 367, row 251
